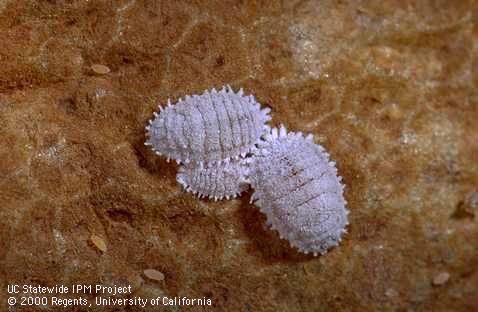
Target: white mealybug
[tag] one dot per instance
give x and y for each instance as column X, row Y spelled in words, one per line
column 223, row 142
column 223, row 180
column 208, row 128
column 297, row 187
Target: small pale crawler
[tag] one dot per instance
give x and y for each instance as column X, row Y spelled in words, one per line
column 224, row 180
column 298, row 189
column 209, row 128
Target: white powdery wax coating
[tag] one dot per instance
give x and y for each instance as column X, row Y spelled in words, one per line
column 208, row 128
column 222, row 180
column 298, row 189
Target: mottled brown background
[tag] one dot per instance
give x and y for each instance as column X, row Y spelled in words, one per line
column 388, row 87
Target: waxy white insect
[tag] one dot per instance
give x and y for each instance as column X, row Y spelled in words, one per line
column 223, row 142
column 223, row 180
column 297, row 187
column 209, row 128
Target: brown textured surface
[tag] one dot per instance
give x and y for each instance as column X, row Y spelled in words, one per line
column 389, row 88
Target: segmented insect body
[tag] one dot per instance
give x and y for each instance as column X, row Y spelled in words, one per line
column 217, row 138
column 208, row 128
column 298, row 188
column 222, row 180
